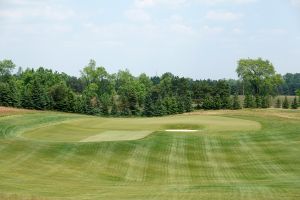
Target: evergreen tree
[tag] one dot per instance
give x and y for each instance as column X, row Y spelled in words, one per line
column 39, row 96
column 71, row 104
column 114, row 110
column 159, row 108
column 235, row 102
column 208, row 103
column 180, row 105
column 188, row 104
column 295, row 103
column 61, row 95
column 247, row 103
column 174, row 105
column 258, row 101
column 265, row 102
column 278, row 103
column 14, row 94
column 217, row 102
column 78, row 104
column 252, row 102
column 4, row 94
column 26, row 100
column 285, row 103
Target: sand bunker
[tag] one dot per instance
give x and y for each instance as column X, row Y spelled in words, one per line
column 117, row 136
column 180, row 130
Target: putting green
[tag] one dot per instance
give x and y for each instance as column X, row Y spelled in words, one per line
column 95, row 129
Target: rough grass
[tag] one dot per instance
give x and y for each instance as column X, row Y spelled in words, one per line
column 224, row 161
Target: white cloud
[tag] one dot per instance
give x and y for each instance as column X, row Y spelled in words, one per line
column 212, row 30
column 144, row 3
column 138, row 15
column 182, row 29
column 273, row 32
column 57, row 13
column 237, row 31
column 215, row 2
column 295, row 2
column 165, row 3
column 180, row 3
column 223, row 16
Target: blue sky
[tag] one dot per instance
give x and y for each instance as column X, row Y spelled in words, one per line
column 193, row 38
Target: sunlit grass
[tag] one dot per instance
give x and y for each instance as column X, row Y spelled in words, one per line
column 248, row 154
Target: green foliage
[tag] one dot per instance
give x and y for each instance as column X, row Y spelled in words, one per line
column 295, row 104
column 249, row 101
column 285, row 103
column 290, row 85
column 6, row 67
column 258, row 101
column 259, row 76
column 278, row 103
column 39, row 96
column 9, row 94
column 236, row 102
column 265, row 102
column 97, row 92
column 114, row 110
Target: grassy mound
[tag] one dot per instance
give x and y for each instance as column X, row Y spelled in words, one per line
column 83, row 127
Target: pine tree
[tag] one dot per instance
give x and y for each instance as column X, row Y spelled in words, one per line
column 26, row 100
column 39, row 96
column 114, row 110
column 252, row 102
column 159, row 108
column 278, row 103
column 265, row 102
column 285, row 103
column 217, row 102
column 208, row 103
column 247, row 101
column 295, row 104
column 4, row 94
column 180, row 105
column 70, row 102
column 236, row 103
column 104, row 109
column 188, row 104
column 258, row 101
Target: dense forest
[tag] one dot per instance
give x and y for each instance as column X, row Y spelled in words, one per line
column 97, row 92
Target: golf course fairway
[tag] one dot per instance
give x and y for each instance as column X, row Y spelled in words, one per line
column 245, row 154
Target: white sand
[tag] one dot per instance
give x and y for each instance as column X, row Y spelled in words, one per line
column 180, row 130
column 117, row 136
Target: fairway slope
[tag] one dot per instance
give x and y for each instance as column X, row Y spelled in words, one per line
column 233, row 155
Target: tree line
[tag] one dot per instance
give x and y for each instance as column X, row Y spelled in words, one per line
column 97, row 92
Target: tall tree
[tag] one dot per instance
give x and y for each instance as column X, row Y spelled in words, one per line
column 259, row 76
column 6, row 67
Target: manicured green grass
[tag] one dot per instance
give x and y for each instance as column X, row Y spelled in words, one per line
column 249, row 154
column 86, row 127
